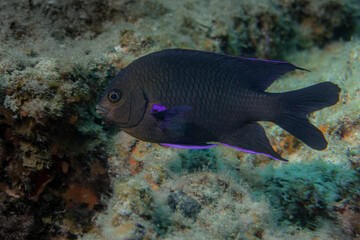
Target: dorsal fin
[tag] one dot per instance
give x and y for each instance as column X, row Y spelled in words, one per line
column 256, row 73
column 260, row 74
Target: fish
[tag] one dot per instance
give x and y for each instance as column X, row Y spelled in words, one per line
column 196, row 99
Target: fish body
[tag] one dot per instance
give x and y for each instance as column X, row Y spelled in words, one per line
column 189, row 98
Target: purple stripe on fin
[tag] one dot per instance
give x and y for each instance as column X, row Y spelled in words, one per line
column 264, row 60
column 254, row 59
column 249, row 151
column 158, row 108
column 188, row 146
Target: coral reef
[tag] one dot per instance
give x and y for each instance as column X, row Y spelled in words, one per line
column 303, row 193
column 305, row 200
column 66, row 174
column 201, row 212
column 50, row 139
column 263, row 28
column 15, row 218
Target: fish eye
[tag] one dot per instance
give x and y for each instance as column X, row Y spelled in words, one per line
column 114, row 95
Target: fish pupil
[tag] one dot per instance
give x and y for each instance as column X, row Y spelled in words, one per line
column 114, row 96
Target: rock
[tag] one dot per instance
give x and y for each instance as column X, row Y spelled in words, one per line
column 188, row 206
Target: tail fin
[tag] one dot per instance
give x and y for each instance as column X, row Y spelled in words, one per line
column 299, row 103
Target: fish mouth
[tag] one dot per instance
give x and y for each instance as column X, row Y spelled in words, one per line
column 101, row 110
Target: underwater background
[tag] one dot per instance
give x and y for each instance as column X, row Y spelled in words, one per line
column 65, row 174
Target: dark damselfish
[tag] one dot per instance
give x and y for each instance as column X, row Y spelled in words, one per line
column 195, row 99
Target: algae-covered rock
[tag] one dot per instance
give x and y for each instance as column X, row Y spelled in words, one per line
column 303, row 193
column 50, row 136
column 187, row 205
column 262, row 28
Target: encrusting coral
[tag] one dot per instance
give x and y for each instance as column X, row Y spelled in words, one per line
column 48, row 132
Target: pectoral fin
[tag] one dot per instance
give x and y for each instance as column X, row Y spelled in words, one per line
column 251, row 138
column 171, row 119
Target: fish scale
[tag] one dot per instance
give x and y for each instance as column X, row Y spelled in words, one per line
column 189, row 98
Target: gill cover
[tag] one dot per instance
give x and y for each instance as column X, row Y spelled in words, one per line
column 132, row 109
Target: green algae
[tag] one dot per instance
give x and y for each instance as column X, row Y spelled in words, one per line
column 303, row 193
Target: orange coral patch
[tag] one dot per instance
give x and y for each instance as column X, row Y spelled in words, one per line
column 125, row 229
column 97, row 168
column 9, row 91
column 139, row 152
column 64, row 167
column 288, row 144
column 153, row 184
column 24, row 113
column 135, row 166
column 73, row 119
column 323, row 128
column 80, row 194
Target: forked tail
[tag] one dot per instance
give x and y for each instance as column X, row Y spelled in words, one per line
column 298, row 104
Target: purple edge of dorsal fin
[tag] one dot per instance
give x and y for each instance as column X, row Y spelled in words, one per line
column 266, row 60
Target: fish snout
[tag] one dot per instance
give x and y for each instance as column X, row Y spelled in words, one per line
column 101, row 110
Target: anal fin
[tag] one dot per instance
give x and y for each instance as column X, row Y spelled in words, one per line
column 251, row 138
column 189, row 146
